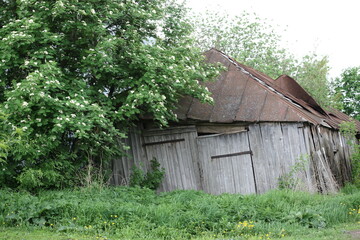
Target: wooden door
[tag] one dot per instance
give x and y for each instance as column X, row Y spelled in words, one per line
column 175, row 150
column 226, row 164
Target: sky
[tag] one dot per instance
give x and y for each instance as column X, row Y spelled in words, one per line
column 328, row 28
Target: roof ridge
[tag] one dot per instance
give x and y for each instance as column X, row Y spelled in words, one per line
column 271, row 88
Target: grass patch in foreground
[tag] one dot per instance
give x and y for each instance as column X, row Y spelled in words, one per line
column 39, row 234
column 134, row 213
column 340, row 232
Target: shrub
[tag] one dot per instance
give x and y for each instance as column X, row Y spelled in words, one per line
column 348, row 129
column 152, row 179
column 139, row 213
column 290, row 180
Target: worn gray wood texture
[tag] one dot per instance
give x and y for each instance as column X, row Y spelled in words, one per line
column 179, row 158
column 276, row 148
column 136, row 155
column 325, row 160
column 331, row 164
column 226, row 174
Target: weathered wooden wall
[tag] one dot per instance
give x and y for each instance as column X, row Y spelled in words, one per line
column 226, row 164
column 243, row 162
column 175, row 149
column 136, row 155
column 276, row 148
column 330, row 154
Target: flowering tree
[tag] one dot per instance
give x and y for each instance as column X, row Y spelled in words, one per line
column 74, row 74
column 254, row 42
column 346, row 92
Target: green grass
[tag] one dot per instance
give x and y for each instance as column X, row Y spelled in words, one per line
column 335, row 233
column 134, row 213
column 38, row 234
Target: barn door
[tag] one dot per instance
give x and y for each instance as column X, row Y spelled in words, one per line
column 226, row 163
column 175, row 150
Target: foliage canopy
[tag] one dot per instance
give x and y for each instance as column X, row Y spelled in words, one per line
column 254, row 42
column 74, row 74
column 347, row 92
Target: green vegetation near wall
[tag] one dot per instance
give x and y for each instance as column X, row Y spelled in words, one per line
column 135, row 213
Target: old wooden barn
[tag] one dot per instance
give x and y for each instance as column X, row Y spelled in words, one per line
column 255, row 133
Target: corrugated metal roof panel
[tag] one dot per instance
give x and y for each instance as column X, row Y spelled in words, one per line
column 252, row 103
column 244, row 94
column 233, row 87
column 184, row 105
column 273, row 109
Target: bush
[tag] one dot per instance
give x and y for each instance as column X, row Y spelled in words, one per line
column 152, row 179
column 349, row 130
column 138, row 213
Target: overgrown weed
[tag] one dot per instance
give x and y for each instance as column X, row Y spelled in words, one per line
column 136, row 213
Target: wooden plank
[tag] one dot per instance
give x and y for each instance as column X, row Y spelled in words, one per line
column 276, row 148
column 272, row 147
column 295, row 139
column 165, row 141
column 122, row 166
column 232, row 173
column 231, row 154
column 325, row 179
column 169, row 131
column 220, row 128
column 175, row 154
column 259, row 157
column 305, row 149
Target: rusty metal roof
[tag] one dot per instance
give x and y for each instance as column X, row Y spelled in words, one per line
column 244, row 94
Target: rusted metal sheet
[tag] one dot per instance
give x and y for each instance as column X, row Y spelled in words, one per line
column 201, row 111
column 233, row 87
column 289, row 85
column 293, row 116
column 338, row 117
column 244, row 94
column 274, row 109
column 252, row 103
column 184, row 105
column 214, row 57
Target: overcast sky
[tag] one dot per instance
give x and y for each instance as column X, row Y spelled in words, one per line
column 327, row 27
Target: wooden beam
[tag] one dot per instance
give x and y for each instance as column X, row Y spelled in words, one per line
column 163, row 142
column 231, row 154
